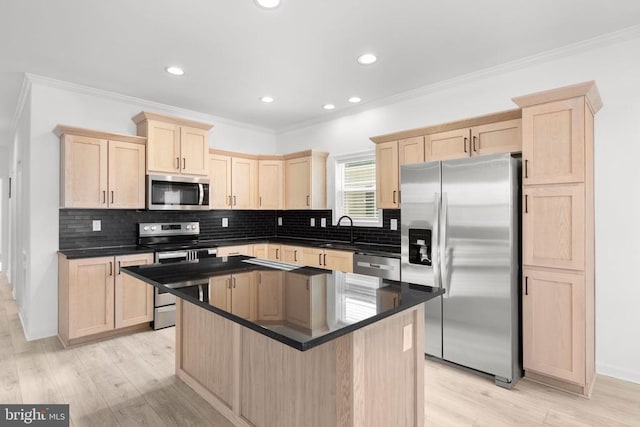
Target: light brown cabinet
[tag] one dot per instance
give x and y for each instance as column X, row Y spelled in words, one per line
column 270, row 184
column 558, row 236
column 233, row 182
column 328, row 258
column 174, row 145
column 100, row 171
column 94, row 298
column 234, row 293
column 291, row 254
column 387, row 184
column 306, row 180
column 270, row 295
column 260, row 250
column 246, row 250
column 411, row 150
column 306, row 301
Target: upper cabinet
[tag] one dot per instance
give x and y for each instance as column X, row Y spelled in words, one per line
column 270, row 184
column 306, row 180
column 101, row 170
column 175, row 146
column 495, row 133
column 234, row 181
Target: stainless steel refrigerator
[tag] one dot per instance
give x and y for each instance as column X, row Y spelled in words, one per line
column 460, row 231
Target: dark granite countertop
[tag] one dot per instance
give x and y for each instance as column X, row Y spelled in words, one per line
column 307, row 306
column 100, row 252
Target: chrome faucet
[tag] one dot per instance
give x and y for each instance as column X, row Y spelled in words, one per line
column 351, row 226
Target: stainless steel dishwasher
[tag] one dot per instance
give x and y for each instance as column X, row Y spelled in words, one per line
column 378, row 266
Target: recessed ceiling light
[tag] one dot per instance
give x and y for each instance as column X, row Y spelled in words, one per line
column 268, row 4
column 367, row 59
column 354, row 100
column 176, row 71
column 328, row 106
column 267, row 99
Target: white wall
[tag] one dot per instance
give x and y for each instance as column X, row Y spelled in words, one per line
column 5, row 162
column 53, row 103
column 615, row 66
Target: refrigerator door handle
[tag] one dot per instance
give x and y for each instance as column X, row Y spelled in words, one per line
column 444, row 223
column 435, row 252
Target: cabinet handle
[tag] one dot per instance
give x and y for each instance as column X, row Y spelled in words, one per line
column 307, row 200
column 277, row 253
column 234, row 200
column 307, row 284
column 119, row 266
column 464, row 144
column 234, row 282
column 110, row 268
column 394, row 196
column 395, row 299
column 104, row 197
column 526, row 203
column 475, row 147
column 325, row 260
column 229, row 200
column 260, row 201
column 112, row 196
column 177, row 162
column 526, row 169
column 526, row 285
column 319, row 259
column 184, row 163
column 295, row 256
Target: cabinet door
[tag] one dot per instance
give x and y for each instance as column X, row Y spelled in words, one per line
column 274, row 252
column 243, row 295
column 338, row 260
column 220, row 292
column 298, row 183
column 163, row 147
column 235, row 250
column 220, row 182
column 194, row 151
column 270, row 295
column 260, row 250
column 387, row 175
column 553, row 324
column 494, row 138
column 133, row 297
column 270, row 184
column 244, row 183
column 553, row 142
column 411, row 150
column 452, row 144
column 553, row 226
column 313, row 257
column 297, row 300
column 91, row 296
column 291, row 254
column 85, row 172
column 126, row 175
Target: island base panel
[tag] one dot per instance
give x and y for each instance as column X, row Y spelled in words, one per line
column 370, row 377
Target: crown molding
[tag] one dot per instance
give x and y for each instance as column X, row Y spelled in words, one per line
column 145, row 104
column 607, row 39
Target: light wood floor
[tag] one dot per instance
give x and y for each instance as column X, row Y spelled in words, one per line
column 129, row 381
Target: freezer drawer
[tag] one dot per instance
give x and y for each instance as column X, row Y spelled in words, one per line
column 163, row 317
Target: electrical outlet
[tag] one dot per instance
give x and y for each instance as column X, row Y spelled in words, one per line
column 313, row 222
column 225, row 222
column 97, row 225
column 323, row 222
column 394, row 224
column 407, row 338
column 279, row 220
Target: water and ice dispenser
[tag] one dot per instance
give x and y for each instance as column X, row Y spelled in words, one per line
column 420, row 246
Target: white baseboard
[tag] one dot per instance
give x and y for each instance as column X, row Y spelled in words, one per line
column 34, row 335
column 620, row 373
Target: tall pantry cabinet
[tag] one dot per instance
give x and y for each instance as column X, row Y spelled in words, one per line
column 558, row 287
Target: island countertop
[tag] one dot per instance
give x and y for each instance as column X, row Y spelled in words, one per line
column 301, row 307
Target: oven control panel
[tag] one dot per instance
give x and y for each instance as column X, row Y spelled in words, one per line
column 168, row 229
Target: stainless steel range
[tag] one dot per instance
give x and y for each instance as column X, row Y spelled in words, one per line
column 172, row 242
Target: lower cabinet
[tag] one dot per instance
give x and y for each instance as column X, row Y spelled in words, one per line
column 291, row 254
column 306, row 301
column 235, row 250
column 95, row 298
column 554, row 325
column 234, row 293
column 270, row 295
column 328, row 259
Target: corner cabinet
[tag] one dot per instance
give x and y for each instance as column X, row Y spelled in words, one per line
column 101, row 170
column 95, row 299
column 306, row 180
column 558, row 297
column 233, row 181
column 174, row 146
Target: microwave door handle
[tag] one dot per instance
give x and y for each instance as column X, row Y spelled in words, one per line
column 201, row 192
column 435, row 241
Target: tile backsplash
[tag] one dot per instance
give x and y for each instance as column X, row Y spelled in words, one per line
column 119, row 227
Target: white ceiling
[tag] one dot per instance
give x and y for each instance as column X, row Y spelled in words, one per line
column 302, row 53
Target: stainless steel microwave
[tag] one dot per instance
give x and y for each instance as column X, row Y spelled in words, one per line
column 170, row 192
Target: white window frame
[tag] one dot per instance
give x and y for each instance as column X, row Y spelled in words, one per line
column 337, row 207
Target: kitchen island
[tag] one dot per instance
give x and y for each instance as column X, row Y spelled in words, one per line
column 270, row 344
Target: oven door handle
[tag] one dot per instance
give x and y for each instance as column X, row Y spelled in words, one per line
column 175, row 254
